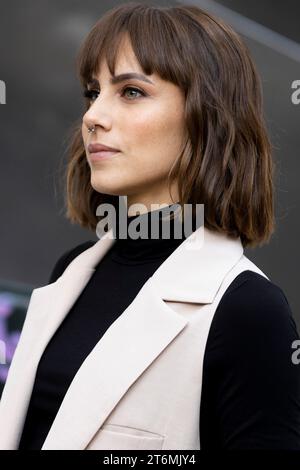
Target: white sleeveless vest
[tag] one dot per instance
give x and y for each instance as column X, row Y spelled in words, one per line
column 140, row 387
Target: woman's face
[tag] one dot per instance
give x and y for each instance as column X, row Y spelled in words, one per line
column 147, row 129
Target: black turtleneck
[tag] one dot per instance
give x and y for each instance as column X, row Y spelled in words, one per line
column 249, row 399
column 147, row 249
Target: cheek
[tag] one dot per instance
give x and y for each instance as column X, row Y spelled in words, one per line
column 155, row 140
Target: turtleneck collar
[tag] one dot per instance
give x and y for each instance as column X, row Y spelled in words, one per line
column 144, row 250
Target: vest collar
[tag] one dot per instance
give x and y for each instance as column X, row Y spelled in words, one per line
column 192, row 273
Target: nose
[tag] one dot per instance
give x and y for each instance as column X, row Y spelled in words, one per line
column 95, row 116
column 90, row 122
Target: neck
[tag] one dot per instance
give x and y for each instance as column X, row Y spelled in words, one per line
column 148, row 237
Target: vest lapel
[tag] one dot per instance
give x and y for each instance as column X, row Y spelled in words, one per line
column 126, row 349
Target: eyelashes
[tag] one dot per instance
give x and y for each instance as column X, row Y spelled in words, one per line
column 88, row 93
column 91, row 93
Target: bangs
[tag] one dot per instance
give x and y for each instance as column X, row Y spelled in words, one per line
column 147, row 29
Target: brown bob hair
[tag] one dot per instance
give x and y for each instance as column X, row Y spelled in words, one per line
column 226, row 163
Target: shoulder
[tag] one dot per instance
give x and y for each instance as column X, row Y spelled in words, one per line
column 253, row 315
column 65, row 259
column 253, row 302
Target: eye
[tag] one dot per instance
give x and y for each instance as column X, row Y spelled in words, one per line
column 133, row 89
column 91, row 93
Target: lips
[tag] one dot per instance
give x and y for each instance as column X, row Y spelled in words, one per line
column 93, row 148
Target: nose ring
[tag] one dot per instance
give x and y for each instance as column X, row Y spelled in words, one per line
column 91, row 129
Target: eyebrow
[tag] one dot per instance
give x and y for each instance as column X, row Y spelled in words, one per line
column 121, row 78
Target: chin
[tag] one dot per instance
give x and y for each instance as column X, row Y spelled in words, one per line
column 104, row 189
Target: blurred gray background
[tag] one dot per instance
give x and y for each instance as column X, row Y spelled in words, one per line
column 39, row 43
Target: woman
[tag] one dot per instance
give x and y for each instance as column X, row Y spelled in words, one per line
column 144, row 343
